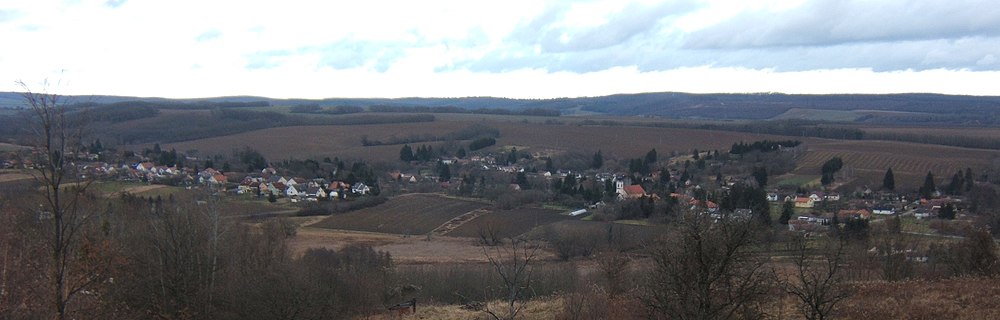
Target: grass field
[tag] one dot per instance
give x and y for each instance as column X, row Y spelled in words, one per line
column 409, row 214
column 510, row 222
column 792, row 180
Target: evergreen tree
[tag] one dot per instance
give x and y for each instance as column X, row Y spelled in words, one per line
column 760, row 173
column 444, row 172
column 598, row 160
column 787, row 210
column 969, row 181
column 512, row 157
column 650, row 157
column 957, row 183
column 889, row 181
column 522, row 180
column 927, row 190
column 461, row 153
column 947, row 212
column 406, row 153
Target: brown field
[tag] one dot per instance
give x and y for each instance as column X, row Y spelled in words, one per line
column 939, row 132
column 13, row 175
column 407, row 214
column 5, row 147
column 509, row 222
column 910, row 162
column 345, row 141
column 869, row 159
column 943, row 299
column 404, row 249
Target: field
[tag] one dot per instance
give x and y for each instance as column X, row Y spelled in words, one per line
column 818, row 114
column 345, row 141
column 407, row 215
column 6, row 147
column 939, row 132
column 509, row 222
column 910, row 162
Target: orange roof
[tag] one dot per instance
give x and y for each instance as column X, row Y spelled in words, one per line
column 634, row 190
column 802, row 199
column 220, row 178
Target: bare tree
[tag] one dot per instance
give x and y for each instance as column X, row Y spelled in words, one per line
column 57, row 137
column 707, row 270
column 818, row 281
column 511, row 260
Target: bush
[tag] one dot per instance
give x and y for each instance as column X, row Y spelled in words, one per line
column 481, row 143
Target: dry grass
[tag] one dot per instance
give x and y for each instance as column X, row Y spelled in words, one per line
column 509, row 222
column 404, row 249
column 972, row 298
column 549, row 308
column 408, row 214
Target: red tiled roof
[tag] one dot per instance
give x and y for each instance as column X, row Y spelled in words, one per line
column 634, row 190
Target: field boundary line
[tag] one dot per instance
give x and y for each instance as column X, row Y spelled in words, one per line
column 458, row 221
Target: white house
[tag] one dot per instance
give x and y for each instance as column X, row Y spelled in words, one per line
column 360, row 188
column 291, row 191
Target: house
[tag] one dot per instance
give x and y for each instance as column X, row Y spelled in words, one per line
column 277, row 188
column 360, row 188
column 832, row 197
column 853, row 214
column 291, row 191
column 883, row 210
column 144, row 166
column 816, row 196
column 631, row 192
column 772, row 197
column 315, row 192
column 804, row 226
column 804, row 202
column 710, row 206
column 924, row 213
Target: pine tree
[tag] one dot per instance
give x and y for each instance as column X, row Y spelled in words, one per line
column 969, row 180
column 598, row 160
column 406, row 153
column 650, row 157
column 947, row 212
column 787, row 210
column 928, row 189
column 889, row 181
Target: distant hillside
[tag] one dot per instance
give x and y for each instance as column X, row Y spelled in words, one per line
column 867, row 108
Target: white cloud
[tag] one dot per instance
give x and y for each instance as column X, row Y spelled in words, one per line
column 516, row 48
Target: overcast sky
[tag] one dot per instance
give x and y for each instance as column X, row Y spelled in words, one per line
column 513, row 48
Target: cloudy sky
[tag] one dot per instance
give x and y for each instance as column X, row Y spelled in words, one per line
column 514, row 48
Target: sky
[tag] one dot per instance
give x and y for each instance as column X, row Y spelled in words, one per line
column 513, row 48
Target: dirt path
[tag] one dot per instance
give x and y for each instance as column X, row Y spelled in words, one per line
column 458, row 222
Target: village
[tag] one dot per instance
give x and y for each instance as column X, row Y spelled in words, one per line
column 677, row 181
